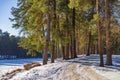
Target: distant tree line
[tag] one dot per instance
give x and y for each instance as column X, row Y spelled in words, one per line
column 9, row 48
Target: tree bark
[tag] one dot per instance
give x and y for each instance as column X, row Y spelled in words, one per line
column 45, row 54
column 67, row 32
column 99, row 34
column 63, row 52
column 107, row 25
column 54, row 26
column 74, row 36
column 52, row 54
column 89, row 44
column 89, row 34
column 71, row 48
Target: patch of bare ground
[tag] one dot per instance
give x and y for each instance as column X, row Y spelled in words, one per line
column 93, row 75
column 72, row 73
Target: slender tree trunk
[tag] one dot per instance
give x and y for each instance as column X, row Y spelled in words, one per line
column 67, row 52
column 57, row 43
column 84, row 50
column 77, row 45
column 58, row 51
column 63, row 52
column 97, row 49
column 67, row 32
column 54, row 26
column 107, row 25
column 45, row 54
column 94, row 49
column 52, row 54
column 89, row 44
column 99, row 35
column 89, row 34
column 56, row 48
column 74, row 32
column 71, row 48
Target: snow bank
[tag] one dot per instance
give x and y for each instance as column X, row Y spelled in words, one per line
column 7, row 69
column 110, row 72
column 81, row 68
column 6, row 66
column 47, row 72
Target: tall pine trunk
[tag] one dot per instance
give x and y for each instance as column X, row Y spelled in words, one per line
column 52, row 53
column 54, row 26
column 67, row 31
column 46, row 48
column 74, row 34
column 63, row 52
column 99, row 34
column 89, row 44
column 107, row 25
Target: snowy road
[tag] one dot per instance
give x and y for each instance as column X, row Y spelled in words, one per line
column 81, row 68
column 60, row 71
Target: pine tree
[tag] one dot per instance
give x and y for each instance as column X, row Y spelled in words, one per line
column 107, row 25
column 99, row 33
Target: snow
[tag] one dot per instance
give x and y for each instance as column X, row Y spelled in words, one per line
column 110, row 72
column 81, row 68
column 6, row 69
column 7, row 66
column 46, row 72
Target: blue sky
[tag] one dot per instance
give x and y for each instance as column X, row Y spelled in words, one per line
column 5, row 14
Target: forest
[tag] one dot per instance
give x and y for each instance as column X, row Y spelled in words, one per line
column 67, row 28
column 9, row 48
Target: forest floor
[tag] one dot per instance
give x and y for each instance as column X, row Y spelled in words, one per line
column 81, row 68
